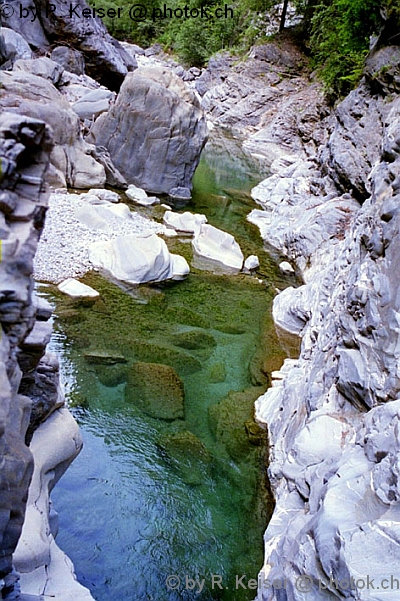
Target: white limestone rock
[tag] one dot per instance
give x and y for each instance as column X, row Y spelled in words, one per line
column 286, row 267
column 77, row 289
column 89, row 216
column 187, row 223
column 216, row 251
column 252, row 262
column 139, row 196
column 292, row 309
column 100, row 194
column 44, row 568
column 137, row 259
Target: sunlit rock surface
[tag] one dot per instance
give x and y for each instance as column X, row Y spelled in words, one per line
column 138, row 259
column 333, row 415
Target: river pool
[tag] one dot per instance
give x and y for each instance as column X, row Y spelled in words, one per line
column 148, row 498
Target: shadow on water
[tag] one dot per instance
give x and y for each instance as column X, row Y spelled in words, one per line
column 172, row 486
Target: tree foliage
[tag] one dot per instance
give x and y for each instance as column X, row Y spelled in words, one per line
column 339, row 34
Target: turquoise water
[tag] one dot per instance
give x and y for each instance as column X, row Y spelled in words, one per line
column 148, row 498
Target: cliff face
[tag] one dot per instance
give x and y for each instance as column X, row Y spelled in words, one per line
column 333, row 415
column 25, row 145
column 31, row 400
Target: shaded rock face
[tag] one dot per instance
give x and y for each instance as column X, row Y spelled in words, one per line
column 71, row 60
column 358, row 124
column 25, row 145
column 333, row 414
column 30, row 389
column 105, row 58
column 154, row 132
column 28, row 94
column 12, row 47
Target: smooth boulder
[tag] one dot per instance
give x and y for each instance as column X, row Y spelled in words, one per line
column 93, row 103
column 137, row 259
column 139, row 196
column 13, row 46
column 216, row 250
column 72, row 164
column 154, row 132
column 186, row 223
column 76, row 289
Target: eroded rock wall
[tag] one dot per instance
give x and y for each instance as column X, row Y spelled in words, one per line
column 35, row 427
column 333, row 415
column 25, row 145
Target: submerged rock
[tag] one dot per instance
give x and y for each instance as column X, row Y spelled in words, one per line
column 217, row 373
column 156, row 389
column 194, row 339
column 104, row 358
column 187, row 454
column 231, row 422
column 154, row 132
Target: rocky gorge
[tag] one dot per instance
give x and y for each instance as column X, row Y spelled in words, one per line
column 329, row 207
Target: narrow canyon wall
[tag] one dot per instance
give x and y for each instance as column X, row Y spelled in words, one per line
column 333, row 415
column 38, row 436
column 25, row 145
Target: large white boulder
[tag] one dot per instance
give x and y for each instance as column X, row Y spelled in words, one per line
column 216, row 250
column 137, row 259
column 188, row 223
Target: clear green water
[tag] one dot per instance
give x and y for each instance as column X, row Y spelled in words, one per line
column 148, row 498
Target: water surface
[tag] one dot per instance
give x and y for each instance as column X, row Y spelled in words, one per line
column 147, row 497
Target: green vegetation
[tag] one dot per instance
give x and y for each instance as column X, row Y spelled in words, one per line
column 192, row 29
column 338, row 34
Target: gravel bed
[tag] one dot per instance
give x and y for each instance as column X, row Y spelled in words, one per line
column 63, row 247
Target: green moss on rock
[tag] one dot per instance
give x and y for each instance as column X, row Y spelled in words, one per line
column 156, row 389
column 217, row 373
column 187, row 454
column 228, row 419
column 194, row 339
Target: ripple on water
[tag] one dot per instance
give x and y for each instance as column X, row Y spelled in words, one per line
column 129, row 513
